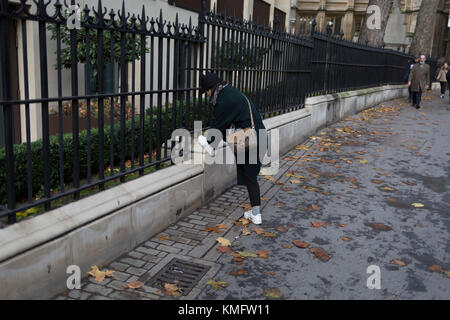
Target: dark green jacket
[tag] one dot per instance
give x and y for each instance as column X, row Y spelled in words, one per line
column 232, row 108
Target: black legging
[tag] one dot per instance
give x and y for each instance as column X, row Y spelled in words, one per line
column 443, row 87
column 252, row 185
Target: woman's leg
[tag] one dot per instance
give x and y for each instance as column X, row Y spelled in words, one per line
column 443, row 88
column 253, row 192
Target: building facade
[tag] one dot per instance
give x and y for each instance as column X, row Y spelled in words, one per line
column 348, row 15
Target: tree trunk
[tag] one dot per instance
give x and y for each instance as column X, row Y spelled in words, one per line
column 371, row 32
column 423, row 36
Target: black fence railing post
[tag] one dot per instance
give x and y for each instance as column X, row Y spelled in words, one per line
column 6, row 95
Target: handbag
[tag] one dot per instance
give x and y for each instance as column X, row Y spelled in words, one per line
column 243, row 139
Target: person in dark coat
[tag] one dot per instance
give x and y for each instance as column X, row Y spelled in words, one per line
column 405, row 79
column 231, row 107
column 419, row 80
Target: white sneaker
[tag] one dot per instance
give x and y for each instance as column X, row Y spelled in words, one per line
column 255, row 219
column 247, row 214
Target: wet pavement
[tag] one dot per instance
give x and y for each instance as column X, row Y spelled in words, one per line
column 369, row 193
column 373, row 190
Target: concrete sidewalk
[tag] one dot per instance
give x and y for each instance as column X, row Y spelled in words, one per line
column 347, row 194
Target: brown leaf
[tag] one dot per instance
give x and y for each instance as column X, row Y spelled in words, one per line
column 223, row 249
column 435, row 268
column 380, row 226
column 269, row 234
column 258, row 230
column 133, row 285
column 345, row 239
column 239, row 272
column 300, row 244
column 315, row 207
column 280, row 204
column 245, row 231
column 162, row 238
column 213, row 229
column 271, row 272
column 263, row 254
column 172, row 290
column 319, row 253
column 398, row 262
column 286, row 189
column 282, row 229
column 376, row 181
column 222, row 226
column 286, row 246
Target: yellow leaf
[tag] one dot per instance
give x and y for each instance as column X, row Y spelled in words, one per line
column 224, row 241
column 133, row 285
column 417, row 205
column 217, row 285
column 273, row 293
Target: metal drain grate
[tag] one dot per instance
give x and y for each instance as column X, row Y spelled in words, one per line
column 183, row 273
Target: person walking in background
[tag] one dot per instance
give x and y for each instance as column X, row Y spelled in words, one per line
column 406, row 79
column 442, row 78
column 231, row 107
column 419, row 80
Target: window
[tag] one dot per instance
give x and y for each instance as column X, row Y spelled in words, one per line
column 231, row 7
column 358, row 23
column 193, row 5
column 281, row 19
column 304, row 24
column 336, row 20
column 261, row 12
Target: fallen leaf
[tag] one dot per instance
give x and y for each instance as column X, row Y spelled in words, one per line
column 213, row 229
column 286, row 246
column 172, row 290
column 376, row 181
column 258, row 230
column 245, row 232
column 269, row 234
column 295, row 181
column 300, row 244
column 341, row 225
column 263, row 254
column 319, row 253
column 391, row 200
column 224, row 241
column 100, row 275
column 282, row 229
column 435, row 268
column 242, row 222
column 417, row 205
column 217, row 285
column 133, row 285
column 345, row 239
column 273, row 293
column 223, row 249
column 162, row 238
column 380, row 226
column 398, row 262
column 239, row 272
column 269, row 178
column 317, row 224
column 271, row 272
column 222, row 226
column 246, row 254
column 286, row 189
column 315, row 207
column 264, row 199
column 387, row 189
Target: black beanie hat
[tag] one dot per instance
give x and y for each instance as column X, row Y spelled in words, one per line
column 208, row 81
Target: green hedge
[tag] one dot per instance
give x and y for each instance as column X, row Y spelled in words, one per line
column 20, row 153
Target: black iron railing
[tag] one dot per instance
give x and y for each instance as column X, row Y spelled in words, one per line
column 140, row 81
